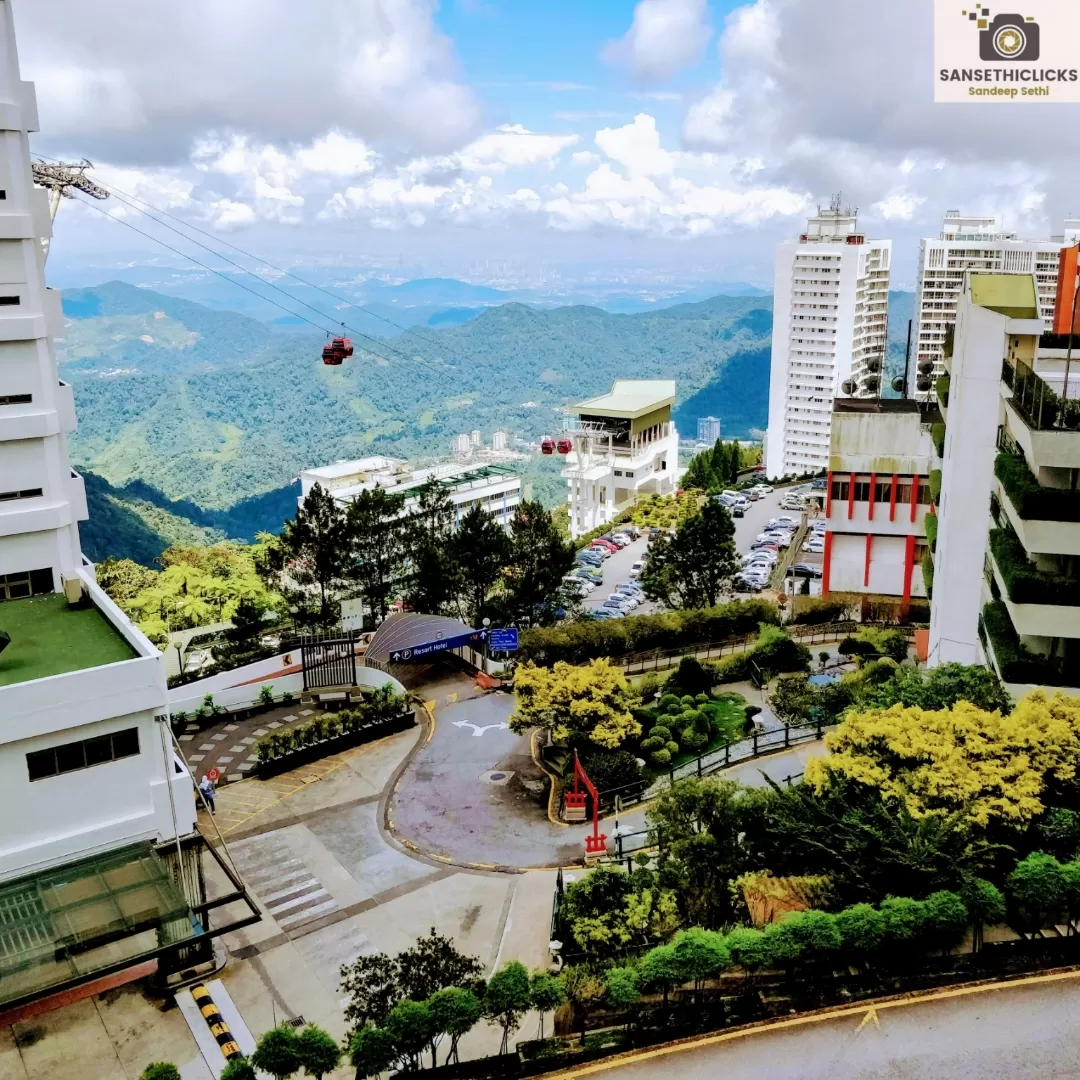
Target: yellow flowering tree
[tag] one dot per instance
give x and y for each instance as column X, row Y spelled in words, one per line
column 982, row 765
column 593, row 701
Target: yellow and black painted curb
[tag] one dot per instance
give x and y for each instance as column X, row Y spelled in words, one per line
column 218, row 1028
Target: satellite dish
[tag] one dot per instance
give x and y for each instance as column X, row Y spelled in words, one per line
column 872, row 382
column 898, row 384
column 926, row 367
column 873, row 364
column 848, row 386
column 922, row 384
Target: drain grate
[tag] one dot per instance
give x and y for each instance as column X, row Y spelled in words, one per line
column 296, row 1022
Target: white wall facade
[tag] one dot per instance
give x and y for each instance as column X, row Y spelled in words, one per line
column 967, row 478
column 57, row 818
column 830, row 307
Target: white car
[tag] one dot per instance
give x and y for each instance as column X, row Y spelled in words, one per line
column 764, row 489
column 814, row 549
column 637, row 568
column 783, row 519
column 622, row 598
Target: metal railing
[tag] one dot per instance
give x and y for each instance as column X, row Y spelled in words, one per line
column 1041, row 406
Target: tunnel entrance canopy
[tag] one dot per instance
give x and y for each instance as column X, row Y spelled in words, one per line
column 409, row 637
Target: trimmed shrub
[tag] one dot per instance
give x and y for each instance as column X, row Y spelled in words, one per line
column 661, row 757
column 661, row 731
column 672, row 748
column 652, row 743
column 669, row 701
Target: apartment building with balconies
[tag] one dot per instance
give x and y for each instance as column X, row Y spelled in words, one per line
column 1007, row 563
column 879, row 499
column 625, row 447
column 974, row 244
column 830, row 320
column 100, row 862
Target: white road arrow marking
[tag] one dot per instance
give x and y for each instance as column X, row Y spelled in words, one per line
column 480, row 730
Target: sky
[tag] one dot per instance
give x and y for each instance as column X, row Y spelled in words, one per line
column 504, row 141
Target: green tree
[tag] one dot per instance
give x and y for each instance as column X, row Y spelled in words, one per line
column 548, row 992
column 985, row 905
column 590, row 702
column 862, row 932
column 372, row 1050
column 377, row 535
column 160, row 1070
column 941, row 688
column 748, row 950
column 371, row 983
column 480, row 549
column 621, row 984
column 583, row 991
column 688, row 570
column 409, row 1026
column 433, row 582
column 1037, row 887
column 903, row 920
column 319, row 1053
column 454, row 1012
column 700, row 955
column 238, row 1068
column 432, row 964
column 313, row 548
column 945, row 920
column 507, row 998
column 538, row 560
column 277, row 1053
column 659, row 967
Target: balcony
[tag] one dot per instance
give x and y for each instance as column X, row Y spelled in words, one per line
column 1047, row 520
column 1014, row 663
column 1037, row 403
column 1040, row 604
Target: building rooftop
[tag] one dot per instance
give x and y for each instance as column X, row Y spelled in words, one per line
column 340, row 469
column 1012, row 295
column 631, row 398
column 49, row 637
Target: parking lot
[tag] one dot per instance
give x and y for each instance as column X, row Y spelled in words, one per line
column 616, row 571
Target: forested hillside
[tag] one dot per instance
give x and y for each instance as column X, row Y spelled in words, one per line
column 222, row 408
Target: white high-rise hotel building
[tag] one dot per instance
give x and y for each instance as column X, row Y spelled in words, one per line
column 830, row 320
column 979, row 244
column 100, row 876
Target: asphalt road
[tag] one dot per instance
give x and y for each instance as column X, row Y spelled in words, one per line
column 616, row 571
column 448, row 802
column 1019, row 1032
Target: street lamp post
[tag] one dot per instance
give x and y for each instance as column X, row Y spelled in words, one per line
column 486, row 624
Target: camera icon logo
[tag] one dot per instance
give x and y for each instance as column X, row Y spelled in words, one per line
column 1006, row 37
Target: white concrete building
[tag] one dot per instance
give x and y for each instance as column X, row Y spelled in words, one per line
column 493, row 486
column 708, row 430
column 625, row 447
column 830, row 314
column 878, row 498
column 90, row 786
column 979, row 245
column 997, row 319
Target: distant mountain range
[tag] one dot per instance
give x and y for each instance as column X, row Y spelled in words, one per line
column 194, row 422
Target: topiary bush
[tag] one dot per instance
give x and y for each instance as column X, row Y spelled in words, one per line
column 672, row 748
column 661, row 757
column 660, row 732
column 668, row 701
column 652, row 743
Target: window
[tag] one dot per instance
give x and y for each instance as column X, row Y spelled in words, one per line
column 883, row 491
column 8, row 301
column 26, row 493
column 71, row 757
column 26, row 583
column 16, row 399
column 925, row 498
column 862, row 491
column 903, row 493
column 840, row 489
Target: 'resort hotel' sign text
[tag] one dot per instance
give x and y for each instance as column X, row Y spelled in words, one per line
column 1026, row 50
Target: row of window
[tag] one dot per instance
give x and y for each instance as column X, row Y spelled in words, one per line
column 26, row 583
column 84, row 754
column 25, row 493
column 841, row 492
column 16, row 399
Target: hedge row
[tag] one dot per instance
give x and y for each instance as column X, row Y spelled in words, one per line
column 1025, row 583
column 1031, row 500
column 576, row 642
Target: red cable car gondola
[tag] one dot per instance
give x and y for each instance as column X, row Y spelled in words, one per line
column 331, row 356
column 547, row 445
column 343, row 345
column 565, row 446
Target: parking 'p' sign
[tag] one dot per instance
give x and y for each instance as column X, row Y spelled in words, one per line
column 1025, row 52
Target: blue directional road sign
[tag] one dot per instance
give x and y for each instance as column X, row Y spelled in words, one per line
column 474, row 639
column 504, row 640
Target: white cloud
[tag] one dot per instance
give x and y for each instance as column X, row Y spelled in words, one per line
column 513, row 146
column 899, row 205
column 132, row 87
column 665, row 35
column 637, row 146
column 585, row 157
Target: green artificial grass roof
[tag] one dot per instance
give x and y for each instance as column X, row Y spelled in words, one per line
column 49, row 637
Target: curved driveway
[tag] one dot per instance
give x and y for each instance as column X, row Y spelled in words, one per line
column 474, row 795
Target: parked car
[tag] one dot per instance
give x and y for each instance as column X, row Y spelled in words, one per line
column 637, row 568
column 616, row 608
column 603, row 544
column 791, row 502
column 806, row 570
column 601, row 613
column 629, row 590
column 765, row 489
column 738, row 512
column 783, row 520
column 752, row 495
column 618, row 539
column 621, row 598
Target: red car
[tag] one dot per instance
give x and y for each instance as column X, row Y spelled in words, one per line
column 606, row 544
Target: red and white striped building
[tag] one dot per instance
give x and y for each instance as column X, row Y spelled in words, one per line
column 878, row 498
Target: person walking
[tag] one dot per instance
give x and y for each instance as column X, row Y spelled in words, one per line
column 206, row 789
